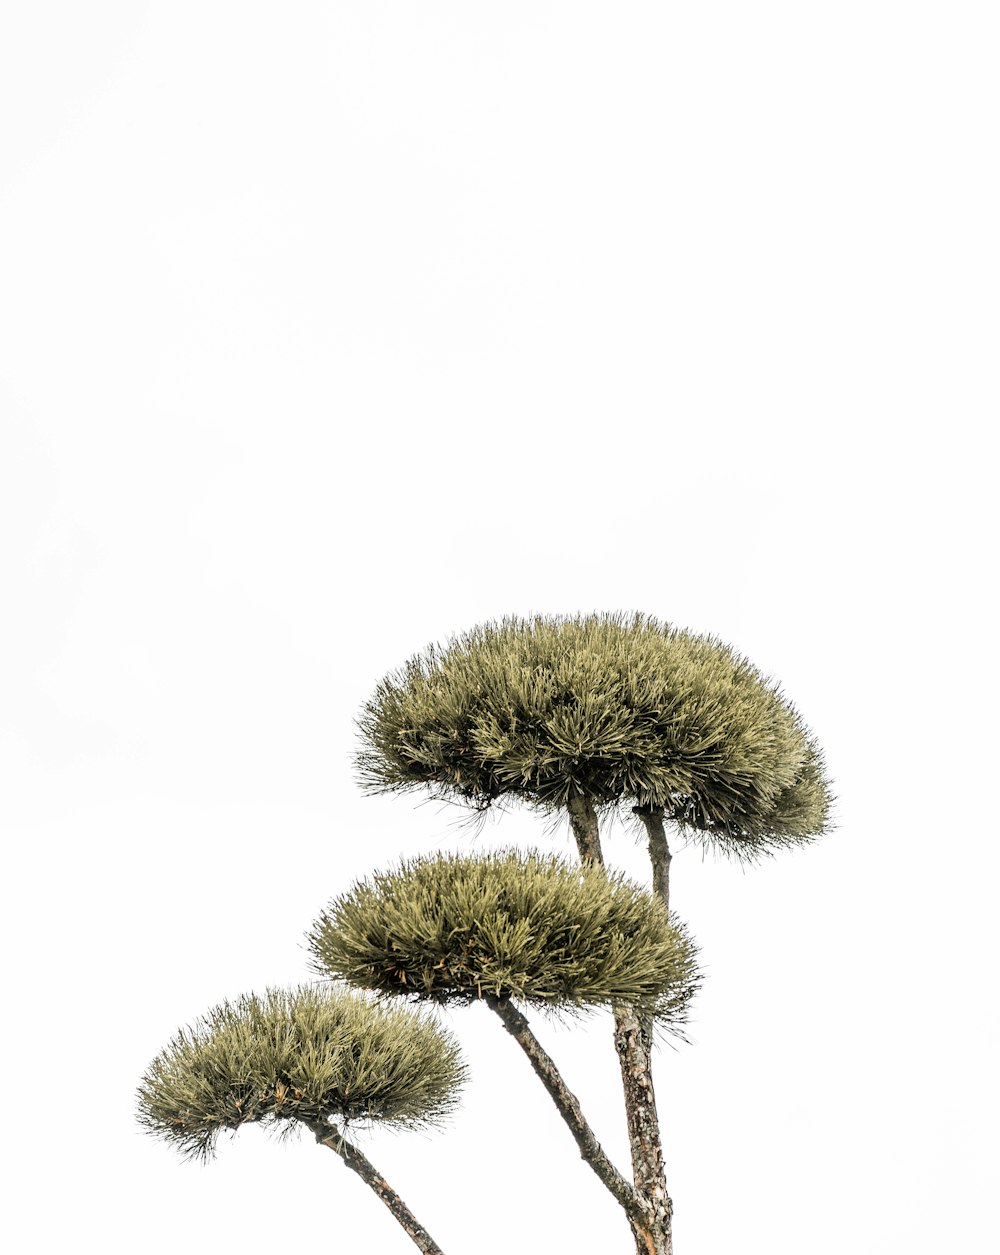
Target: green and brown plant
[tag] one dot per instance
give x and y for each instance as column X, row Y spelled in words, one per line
column 591, row 716
column 587, row 717
column 515, row 930
column 323, row 1058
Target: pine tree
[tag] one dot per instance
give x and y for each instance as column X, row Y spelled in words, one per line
column 512, row 931
column 584, row 716
column 589, row 716
column 323, row 1059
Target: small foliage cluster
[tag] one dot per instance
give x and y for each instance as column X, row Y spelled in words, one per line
column 452, row 929
column 617, row 708
column 306, row 1054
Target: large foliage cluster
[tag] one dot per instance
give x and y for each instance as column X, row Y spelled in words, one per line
column 453, row 929
column 307, row 1054
column 620, row 709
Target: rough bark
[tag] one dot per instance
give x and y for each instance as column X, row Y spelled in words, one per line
column 583, row 820
column 326, row 1135
column 659, row 851
column 633, row 1044
column 659, row 857
column 569, row 1107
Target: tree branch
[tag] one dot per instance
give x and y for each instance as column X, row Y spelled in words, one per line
column 634, row 1044
column 659, row 851
column 568, row 1105
column 583, row 820
column 327, row 1135
column 653, row 1227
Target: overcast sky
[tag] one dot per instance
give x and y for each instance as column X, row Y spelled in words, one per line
column 330, row 329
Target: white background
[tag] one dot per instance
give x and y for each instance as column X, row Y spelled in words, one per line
column 331, row 329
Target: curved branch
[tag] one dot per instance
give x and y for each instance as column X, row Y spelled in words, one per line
column 326, row 1135
column 568, row 1105
column 659, row 851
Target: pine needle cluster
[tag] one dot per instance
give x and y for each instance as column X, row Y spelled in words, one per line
column 453, row 929
column 306, row 1054
column 623, row 709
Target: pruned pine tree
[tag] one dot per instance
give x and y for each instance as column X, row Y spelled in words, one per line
column 590, row 715
column 323, row 1057
column 507, row 929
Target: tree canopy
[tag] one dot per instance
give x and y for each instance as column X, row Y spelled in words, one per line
column 453, row 928
column 307, row 1054
column 618, row 709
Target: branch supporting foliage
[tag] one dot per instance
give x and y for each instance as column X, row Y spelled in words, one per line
column 586, row 714
column 310, row 1055
column 586, row 833
column 583, row 715
column 633, row 1045
column 455, row 929
column 568, row 1106
column 366, row 1170
column 659, row 850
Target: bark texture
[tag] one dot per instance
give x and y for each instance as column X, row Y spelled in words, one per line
column 569, row 1107
column 633, row 1044
column 659, row 851
column 366, row 1170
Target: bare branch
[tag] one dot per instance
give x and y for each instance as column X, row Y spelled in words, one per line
column 568, row 1105
column 652, row 1226
column 659, row 851
column 327, row 1135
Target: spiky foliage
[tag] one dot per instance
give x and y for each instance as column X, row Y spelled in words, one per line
column 452, row 929
column 307, row 1054
column 623, row 709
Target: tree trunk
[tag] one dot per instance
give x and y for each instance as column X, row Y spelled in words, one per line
column 327, row 1135
column 633, row 1044
column 659, row 857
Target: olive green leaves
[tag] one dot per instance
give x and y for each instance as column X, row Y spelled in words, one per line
column 622, row 709
column 454, row 929
column 581, row 715
column 308, row 1054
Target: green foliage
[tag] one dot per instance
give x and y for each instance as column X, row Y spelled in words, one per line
column 452, row 929
column 621, row 709
column 306, row 1054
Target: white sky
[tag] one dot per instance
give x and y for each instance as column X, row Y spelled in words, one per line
column 330, row 329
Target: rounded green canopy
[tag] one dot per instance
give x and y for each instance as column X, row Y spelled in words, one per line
column 620, row 709
column 309, row 1054
column 453, row 929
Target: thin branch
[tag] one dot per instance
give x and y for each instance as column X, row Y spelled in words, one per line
column 568, row 1105
column 652, row 1227
column 326, row 1135
column 659, row 851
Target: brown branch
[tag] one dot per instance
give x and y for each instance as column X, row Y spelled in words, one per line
column 659, row 851
column 583, row 820
column 326, row 1135
column 634, row 1045
column 568, row 1106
